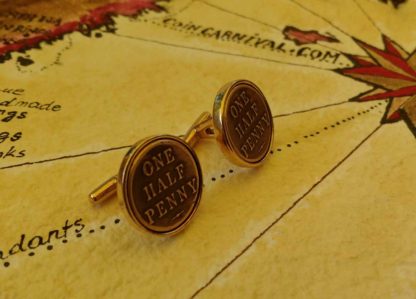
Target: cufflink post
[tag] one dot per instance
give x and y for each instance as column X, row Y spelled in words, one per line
column 202, row 128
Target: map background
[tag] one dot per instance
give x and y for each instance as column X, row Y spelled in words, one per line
column 330, row 215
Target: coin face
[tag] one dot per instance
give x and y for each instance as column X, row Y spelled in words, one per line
column 160, row 184
column 243, row 123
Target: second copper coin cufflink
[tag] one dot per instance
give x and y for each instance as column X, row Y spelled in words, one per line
column 159, row 183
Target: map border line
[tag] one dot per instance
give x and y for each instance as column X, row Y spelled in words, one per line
column 158, row 42
column 368, row 17
column 322, row 18
column 258, row 21
column 66, row 157
column 287, row 211
column 128, row 146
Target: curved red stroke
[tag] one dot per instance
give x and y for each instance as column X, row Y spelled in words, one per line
column 94, row 19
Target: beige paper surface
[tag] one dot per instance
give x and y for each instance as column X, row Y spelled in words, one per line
column 329, row 215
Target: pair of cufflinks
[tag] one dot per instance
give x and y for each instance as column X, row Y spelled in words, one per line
column 159, row 183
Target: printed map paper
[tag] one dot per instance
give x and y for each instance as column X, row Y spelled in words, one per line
column 330, row 214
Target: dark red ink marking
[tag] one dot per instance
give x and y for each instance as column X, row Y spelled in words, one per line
column 302, row 37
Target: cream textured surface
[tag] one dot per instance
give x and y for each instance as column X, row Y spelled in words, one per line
column 329, row 215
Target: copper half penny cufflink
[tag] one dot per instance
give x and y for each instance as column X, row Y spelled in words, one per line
column 159, row 183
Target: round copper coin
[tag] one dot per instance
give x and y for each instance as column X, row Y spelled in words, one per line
column 160, row 184
column 243, row 123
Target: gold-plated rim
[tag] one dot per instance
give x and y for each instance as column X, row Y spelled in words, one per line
column 221, row 130
column 127, row 168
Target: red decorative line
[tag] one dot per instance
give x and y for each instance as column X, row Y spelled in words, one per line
column 94, row 19
column 360, row 61
column 377, row 71
column 396, row 60
column 390, row 46
column 394, row 117
column 402, row 92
